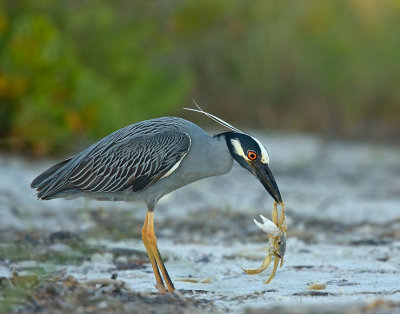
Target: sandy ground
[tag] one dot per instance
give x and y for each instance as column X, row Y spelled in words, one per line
column 343, row 211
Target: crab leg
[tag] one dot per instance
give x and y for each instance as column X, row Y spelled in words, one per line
column 263, row 267
column 276, row 263
column 275, row 214
column 282, row 219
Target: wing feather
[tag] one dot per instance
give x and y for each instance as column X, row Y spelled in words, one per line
column 130, row 158
column 133, row 163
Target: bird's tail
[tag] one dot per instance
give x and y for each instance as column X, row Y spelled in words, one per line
column 46, row 181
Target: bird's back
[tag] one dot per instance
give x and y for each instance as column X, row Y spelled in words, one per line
column 130, row 158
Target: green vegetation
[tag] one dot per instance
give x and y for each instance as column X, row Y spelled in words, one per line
column 73, row 70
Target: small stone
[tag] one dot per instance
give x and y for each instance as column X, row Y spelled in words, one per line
column 207, row 280
column 59, row 247
column 102, row 258
column 316, row 286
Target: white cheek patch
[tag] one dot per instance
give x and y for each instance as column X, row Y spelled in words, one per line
column 264, row 153
column 238, row 148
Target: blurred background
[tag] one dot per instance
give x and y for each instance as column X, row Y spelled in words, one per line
column 74, row 71
column 314, row 80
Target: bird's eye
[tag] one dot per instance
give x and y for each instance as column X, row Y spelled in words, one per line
column 251, row 155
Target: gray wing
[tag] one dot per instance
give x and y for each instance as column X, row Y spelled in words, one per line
column 133, row 157
column 133, row 163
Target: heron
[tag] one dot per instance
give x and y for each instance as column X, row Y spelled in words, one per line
column 145, row 161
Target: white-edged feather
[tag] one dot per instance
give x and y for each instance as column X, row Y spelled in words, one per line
column 214, row 118
column 170, row 171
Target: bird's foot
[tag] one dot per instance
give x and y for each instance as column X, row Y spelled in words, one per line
column 276, row 230
column 161, row 288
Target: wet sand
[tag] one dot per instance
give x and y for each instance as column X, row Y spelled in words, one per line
column 343, row 211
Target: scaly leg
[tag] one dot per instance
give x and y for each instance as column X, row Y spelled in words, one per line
column 150, row 243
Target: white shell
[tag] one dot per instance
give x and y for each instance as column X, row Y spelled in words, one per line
column 267, row 226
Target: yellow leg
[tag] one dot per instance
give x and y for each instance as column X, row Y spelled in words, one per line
column 150, row 243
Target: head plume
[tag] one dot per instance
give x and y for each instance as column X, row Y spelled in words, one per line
column 214, row 118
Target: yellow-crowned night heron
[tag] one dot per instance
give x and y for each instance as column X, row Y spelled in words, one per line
column 149, row 159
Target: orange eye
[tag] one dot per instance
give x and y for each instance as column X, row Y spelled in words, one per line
column 251, row 155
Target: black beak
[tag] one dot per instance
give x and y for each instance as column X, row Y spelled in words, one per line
column 264, row 174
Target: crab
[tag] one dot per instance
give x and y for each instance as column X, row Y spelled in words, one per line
column 276, row 230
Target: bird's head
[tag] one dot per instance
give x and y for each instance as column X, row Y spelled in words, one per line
column 248, row 152
column 252, row 155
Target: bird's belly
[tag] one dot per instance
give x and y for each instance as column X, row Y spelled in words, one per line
column 127, row 195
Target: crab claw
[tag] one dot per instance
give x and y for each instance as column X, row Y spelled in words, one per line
column 267, row 226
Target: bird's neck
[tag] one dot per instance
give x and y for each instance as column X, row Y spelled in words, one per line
column 227, row 136
column 219, row 161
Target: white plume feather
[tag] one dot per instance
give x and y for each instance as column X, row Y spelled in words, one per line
column 214, row 118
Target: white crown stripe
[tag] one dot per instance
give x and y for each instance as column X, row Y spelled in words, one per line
column 264, row 153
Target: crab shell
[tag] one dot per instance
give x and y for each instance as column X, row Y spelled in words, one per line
column 277, row 244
